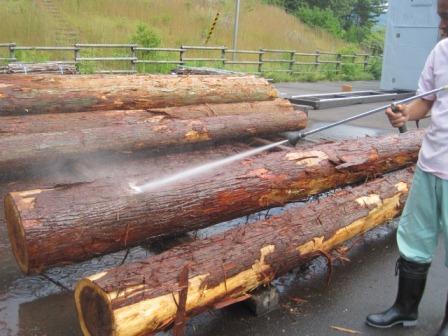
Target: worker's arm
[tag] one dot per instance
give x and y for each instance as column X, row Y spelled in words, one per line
column 413, row 111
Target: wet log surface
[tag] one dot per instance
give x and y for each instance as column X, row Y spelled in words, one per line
column 154, row 132
column 145, row 297
column 209, row 110
column 59, row 122
column 34, row 94
column 68, row 223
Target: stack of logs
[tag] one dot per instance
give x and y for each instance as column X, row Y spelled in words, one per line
column 45, row 117
column 115, row 113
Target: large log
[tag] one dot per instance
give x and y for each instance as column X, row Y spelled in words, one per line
column 32, row 94
column 59, row 122
column 209, row 110
column 144, row 297
column 70, row 223
column 155, row 132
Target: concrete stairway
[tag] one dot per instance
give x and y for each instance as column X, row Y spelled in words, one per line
column 65, row 35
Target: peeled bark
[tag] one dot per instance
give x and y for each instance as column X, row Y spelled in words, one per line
column 155, row 132
column 145, row 297
column 58, row 122
column 69, row 223
column 33, row 94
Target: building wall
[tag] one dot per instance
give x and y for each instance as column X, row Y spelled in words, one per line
column 412, row 31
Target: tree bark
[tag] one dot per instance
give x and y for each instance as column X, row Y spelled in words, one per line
column 145, row 297
column 209, row 110
column 47, row 67
column 34, row 94
column 59, row 122
column 69, row 223
column 156, row 132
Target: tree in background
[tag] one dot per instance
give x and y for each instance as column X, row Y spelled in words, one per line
column 356, row 17
column 324, row 18
column 146, row 37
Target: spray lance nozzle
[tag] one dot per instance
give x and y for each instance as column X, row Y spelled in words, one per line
column 293, row 138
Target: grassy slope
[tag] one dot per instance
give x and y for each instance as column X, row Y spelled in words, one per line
column 26, row 22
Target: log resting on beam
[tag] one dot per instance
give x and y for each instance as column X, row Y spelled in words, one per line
column 209, row 110
column 154, row 132
column 143, row 297
column 69, row 223
column 59, row 122
column 34, row 94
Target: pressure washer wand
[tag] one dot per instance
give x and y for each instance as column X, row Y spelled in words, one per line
column 293, row 139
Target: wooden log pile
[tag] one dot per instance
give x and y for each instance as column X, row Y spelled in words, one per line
column 145, row 297
column 228, row 112
column 45, row 117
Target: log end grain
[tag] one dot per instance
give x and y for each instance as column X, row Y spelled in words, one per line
column 94, row 310
column 16, row 233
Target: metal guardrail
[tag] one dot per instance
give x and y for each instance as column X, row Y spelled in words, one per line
column 260, row 61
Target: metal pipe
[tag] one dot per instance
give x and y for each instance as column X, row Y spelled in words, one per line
column 295, row 138
column 235, row 28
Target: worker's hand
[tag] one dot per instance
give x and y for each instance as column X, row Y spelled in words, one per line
column 399, row 117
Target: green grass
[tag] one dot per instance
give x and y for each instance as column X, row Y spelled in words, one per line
column 27, row 22
column 176, row 22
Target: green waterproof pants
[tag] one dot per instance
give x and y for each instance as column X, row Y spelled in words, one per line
column 425, row 216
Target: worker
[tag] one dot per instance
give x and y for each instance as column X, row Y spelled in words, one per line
column 426, row 211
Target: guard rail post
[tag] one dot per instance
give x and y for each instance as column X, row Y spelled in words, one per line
column 260, row 61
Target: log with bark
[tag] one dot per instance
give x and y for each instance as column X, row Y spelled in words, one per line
column 64, row 224
column 48, row 67
column 145, row 297
column 188, row 70
column 33, row 94
column 156, row 132
column 208, row 110
column 58, row 122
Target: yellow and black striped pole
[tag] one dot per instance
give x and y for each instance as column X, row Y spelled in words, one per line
column 212, row 28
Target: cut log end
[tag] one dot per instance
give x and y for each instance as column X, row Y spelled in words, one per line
column 94, row 311
column 16, row 234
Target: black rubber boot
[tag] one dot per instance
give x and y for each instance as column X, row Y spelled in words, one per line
column 443, row 331
column 411, row 285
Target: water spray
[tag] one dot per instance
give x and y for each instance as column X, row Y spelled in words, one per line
column 151, row 185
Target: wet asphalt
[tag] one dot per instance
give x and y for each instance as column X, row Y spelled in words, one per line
column 361, row 283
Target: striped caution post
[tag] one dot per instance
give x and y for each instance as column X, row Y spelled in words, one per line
column 212, row 28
